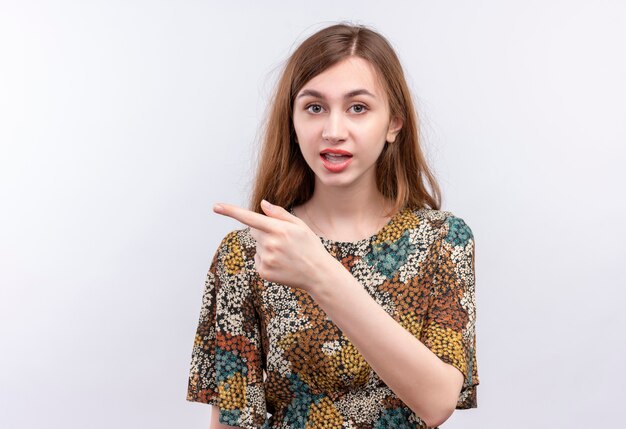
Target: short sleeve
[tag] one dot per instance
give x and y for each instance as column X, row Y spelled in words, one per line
column 449, row 325
column 226, row 361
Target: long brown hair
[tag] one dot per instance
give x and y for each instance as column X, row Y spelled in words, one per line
column 283, row 176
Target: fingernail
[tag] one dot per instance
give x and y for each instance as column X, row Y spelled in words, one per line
column 218, row 208
column 266, row 203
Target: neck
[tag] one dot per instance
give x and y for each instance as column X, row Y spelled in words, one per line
column 347, row 213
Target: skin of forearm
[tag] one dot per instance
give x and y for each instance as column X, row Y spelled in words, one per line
column 415, row 374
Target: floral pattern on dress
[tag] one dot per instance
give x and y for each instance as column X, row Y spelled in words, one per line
column 269, row 357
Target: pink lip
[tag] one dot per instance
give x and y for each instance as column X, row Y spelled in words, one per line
column 336, row 151
column 334, row 167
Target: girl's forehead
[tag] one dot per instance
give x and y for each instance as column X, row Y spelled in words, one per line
column 348, row 75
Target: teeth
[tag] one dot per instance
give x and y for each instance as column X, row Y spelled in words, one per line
column 335, row 158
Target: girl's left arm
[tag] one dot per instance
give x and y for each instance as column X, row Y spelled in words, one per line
column 428, row 385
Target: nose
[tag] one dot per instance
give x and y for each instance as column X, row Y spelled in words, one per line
column 335, row 128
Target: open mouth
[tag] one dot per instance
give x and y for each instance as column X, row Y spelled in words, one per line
column 335, row 158
column 335, row 161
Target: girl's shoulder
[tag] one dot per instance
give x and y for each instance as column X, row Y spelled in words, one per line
column 436, row 215
column 238, row 239
column 433, row 214
column 448, row 222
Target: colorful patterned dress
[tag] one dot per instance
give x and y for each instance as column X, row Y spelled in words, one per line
column 263, row 347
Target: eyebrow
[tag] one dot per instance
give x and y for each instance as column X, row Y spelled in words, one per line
column 350, row 94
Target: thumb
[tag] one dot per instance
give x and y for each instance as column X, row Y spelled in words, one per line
column 276, row 211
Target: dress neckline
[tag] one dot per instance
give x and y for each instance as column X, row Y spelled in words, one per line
column 365, row 240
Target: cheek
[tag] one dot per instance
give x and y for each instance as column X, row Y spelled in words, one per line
column 307, row 136
column 299, row 128
column 372, row 134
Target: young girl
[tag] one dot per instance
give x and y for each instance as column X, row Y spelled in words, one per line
column 347, row 301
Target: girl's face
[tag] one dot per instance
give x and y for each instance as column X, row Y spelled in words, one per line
column 341, row 119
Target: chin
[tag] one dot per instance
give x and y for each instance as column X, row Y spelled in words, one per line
column 335, row 180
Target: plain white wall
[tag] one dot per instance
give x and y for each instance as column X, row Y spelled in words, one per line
column 122, row 122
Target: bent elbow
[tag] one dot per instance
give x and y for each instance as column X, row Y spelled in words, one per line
column 448, row 402
column 439, row 416
column 435, row 420
column 443, row 404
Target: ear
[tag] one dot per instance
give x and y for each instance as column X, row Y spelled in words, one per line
column 395, row 125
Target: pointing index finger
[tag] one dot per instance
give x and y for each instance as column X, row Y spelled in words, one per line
column 245, row 216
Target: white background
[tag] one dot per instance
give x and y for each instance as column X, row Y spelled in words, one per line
column 122, row 122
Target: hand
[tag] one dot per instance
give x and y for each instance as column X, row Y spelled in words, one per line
column 287, row 250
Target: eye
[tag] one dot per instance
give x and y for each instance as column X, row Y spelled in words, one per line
column 317, row 106
column 360, row 108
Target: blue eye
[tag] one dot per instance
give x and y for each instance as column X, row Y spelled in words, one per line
column 313, row 105
column 361, row 107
